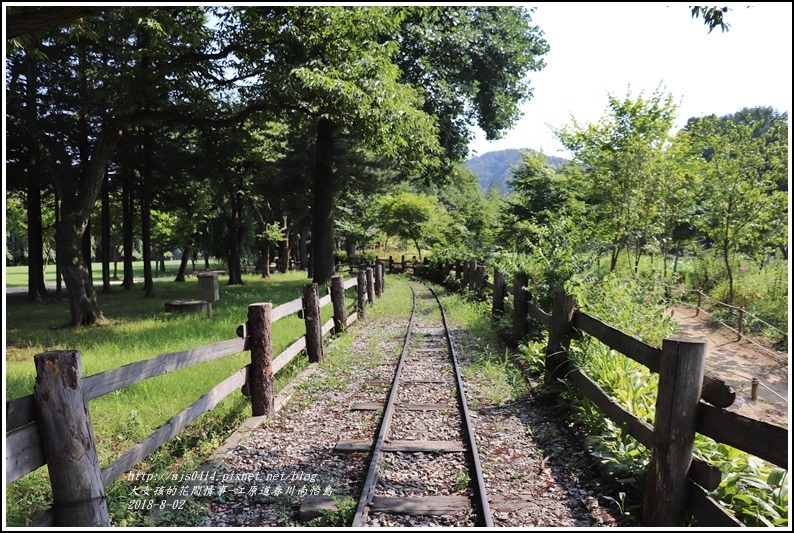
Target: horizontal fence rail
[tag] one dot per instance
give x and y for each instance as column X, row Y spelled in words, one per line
column 28, row 445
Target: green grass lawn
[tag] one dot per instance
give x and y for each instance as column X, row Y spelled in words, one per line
column 138, row 328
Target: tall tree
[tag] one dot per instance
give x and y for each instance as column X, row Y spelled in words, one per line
column 349, row 70
column 472, row 64
column 616, row 159
column 406, row 215
column 739, row 171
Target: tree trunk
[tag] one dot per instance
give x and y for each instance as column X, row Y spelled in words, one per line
column 146, row 216
column 613, row 263
column 78, row 199
column 726, row 257
column 266, row 260
column 83, row 304
column 303, row 239
column 87, row 248
column 677, row 255
column 128, row 215
column 180, row 276
column 284, row 248
column 235, row 242
column 323, row 214
column 37, row 289
column 58, row 273
column 419, row 251
column 106, row 235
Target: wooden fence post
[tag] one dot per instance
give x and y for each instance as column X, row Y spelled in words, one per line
column 391, row 264
column 479, row 281
column 362, row 293
column 261, row 373
column 67, row 438
column 382, row 277
column 471, row 275
column 740, row 328
column 338, row 302
column 370, row 287
column 464, row 280
column 680, row 379
column 403, row 264
column 560, row 330
column 378, row 278
column 314, row 326
column 700, row 299
column 498, row 292
column 520, row 307
column 458, row 269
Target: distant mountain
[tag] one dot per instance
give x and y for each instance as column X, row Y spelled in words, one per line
column 494, row 168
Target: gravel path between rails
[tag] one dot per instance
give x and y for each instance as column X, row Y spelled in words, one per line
column 537, row 473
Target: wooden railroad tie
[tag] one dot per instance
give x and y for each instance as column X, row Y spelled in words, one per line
column 374, row 406
column 314, row 505
column 407, row 446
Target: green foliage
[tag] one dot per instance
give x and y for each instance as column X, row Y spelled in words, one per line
column 356, row 218
column 713, row 16
column 755, row 491
column 617, row 161
column 558, row 254
column 472, row 64
column 407, row 215
column 741, row 206
column 763, row 290
column 626, row 306
column 500, row 377
column 274, row 232
column 341, row 517
column 537, row 191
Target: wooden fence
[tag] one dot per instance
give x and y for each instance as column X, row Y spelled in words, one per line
column 53, row 427
column 688, row 400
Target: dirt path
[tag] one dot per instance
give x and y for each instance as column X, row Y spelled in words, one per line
column 737, row 363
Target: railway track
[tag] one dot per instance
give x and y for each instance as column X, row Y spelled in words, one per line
column 424, row 460
column 308, row 464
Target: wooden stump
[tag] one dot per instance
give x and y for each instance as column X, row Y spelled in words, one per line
column 185, row 306
column 67, row 438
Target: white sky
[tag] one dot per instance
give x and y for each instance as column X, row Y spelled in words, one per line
column 602, row 48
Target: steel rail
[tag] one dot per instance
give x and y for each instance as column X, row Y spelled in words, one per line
column 372, row 476
column 480, row 501
column 482, row 498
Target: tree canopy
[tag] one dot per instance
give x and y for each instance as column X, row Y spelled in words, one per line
column 401, row 83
